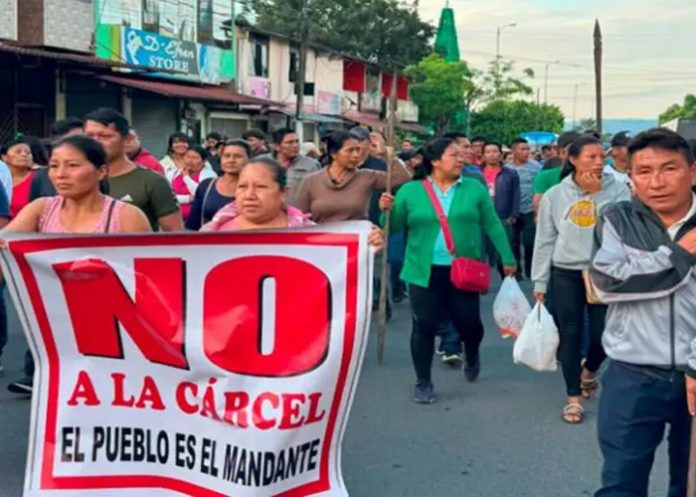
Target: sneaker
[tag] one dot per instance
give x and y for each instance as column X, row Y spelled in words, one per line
column 472, row 367
column 24, row 386
column 424, row 393
column 452, row 359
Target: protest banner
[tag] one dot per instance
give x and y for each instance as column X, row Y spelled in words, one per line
column 193, row 364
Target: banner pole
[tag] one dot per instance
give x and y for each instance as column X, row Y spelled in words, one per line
column 384, row 286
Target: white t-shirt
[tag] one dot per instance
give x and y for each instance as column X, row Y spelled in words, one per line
column 619, row 176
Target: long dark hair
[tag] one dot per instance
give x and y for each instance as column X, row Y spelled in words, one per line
column 177, row 137
column 93, row 152
column 576, row 148
column 335, row 142
column 432, row 151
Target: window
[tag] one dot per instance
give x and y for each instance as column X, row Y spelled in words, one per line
column 259, row 55
column 294, row 68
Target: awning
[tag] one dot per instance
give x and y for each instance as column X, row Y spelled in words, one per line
column 415, row 128
column 177, row 90
column 71, row 57
column 323, row 119
column 364, row 118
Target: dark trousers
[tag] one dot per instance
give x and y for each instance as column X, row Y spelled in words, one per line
column 429, row 305
column 28, row 364
column 570, row 304
column 636, row 405
column 522, row 237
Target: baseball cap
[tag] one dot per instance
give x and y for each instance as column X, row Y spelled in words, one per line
column 620, row 139
column 359, row 133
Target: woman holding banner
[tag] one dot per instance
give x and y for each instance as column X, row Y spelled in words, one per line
column 342, row 190
column 260, row 203
column 443, row 201
column 77, row 169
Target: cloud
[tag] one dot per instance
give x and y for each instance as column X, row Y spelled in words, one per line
column 649, row 61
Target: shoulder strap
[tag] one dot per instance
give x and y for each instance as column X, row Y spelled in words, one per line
column 109, row 215
column 449, row 239
column 205, row 199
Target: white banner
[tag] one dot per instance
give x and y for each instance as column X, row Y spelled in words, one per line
column 210, row 365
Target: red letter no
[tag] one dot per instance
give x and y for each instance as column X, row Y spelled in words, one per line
column 267, row 316
column 98, row 302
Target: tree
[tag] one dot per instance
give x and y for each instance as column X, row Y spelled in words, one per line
column 438, row 88
column 686, row 110
column 503, row 121
column 500, row 84
column 380, row 31
column 588, row 123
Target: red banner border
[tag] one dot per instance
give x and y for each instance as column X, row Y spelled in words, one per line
column 21, row 249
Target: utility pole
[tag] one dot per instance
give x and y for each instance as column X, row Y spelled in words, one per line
column 546, row 79
column 598, row 73
column 499, row 30
column 302, row 69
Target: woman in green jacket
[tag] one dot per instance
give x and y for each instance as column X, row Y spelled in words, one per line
column 427, row 264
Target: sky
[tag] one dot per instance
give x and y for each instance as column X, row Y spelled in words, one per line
column 649, row 49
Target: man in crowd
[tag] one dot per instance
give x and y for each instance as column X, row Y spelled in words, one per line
column 141, row 187
column 550, row 176
column 286, row 145
column 466, row 155
column 477, row 145
column 213, row 144
column 619, row 158
column 140, row 155
column 211, row 141
column 644, row 269
column 257, row 141
column 524, row 228
column 406, row 146
column 549, row 152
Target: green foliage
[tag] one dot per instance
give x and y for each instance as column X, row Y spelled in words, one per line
column 439, row 89
column 381, row 31
column 503, row 121
column 498, row 82
column 687, row 110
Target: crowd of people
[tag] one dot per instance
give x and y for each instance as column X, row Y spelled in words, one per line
column 606, row 237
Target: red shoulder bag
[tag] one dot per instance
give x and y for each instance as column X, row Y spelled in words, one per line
column 466, row 274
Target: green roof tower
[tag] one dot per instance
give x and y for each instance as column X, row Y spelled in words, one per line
column 446, row 42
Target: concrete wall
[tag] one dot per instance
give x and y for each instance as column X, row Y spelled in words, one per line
column 68, row 24
column 8, row 19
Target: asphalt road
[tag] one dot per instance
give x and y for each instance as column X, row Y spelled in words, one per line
column 501, row 436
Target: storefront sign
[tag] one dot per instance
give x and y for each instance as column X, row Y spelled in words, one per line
column 329, row 103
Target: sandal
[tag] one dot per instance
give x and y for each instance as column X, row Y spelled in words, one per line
column 589, row 386
column 573, row 414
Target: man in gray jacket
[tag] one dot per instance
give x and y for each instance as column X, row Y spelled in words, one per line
column 286, row 146
column 644, row 269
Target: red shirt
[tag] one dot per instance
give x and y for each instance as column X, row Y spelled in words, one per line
column 20, row 195
column 148, row 161
column 491, row 175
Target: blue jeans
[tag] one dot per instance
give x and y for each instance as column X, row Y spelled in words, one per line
column 636, row 405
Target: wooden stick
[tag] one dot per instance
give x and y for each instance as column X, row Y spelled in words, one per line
column 692, row 461
column 384, row 285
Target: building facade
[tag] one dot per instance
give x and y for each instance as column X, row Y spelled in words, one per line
column 175, row 65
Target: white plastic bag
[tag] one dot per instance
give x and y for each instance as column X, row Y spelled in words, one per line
column 510, row 308
column 537, row 344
